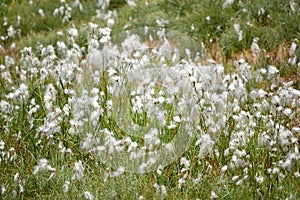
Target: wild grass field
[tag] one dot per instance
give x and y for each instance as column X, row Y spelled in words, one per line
column 160, row 99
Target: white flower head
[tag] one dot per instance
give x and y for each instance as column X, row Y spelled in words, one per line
column 213, row 195
column 44, row 166
column 78, row 171
column 254, row 48
column 65, row 186
column 11, row 32
column 41, row 12
column 227, row 3
column 224, row 168
column 88, row 195
column 73, row 32
column 118, row 172
column 259, row 178
column 177, row 119
column 206, row 145
column 131, row 3
column 2, row 145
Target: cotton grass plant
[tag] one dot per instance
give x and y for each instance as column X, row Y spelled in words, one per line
column 90, row 110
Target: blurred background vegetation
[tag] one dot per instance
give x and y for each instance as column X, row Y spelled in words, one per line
column 275, row 24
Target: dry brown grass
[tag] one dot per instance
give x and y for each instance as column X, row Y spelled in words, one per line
column 278, row 57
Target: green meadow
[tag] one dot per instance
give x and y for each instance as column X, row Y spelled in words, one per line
column 246, row 112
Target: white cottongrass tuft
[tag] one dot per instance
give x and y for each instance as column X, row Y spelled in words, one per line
column 65, row 186
column 238, row 31
column 213, row 195
column 44, row 166
column 206, row 145
column 293, row 57
column 254, row 48
column 78, row 170
column 227, row 3
column 88, row 195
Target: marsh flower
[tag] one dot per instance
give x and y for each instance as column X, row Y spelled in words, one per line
column 2, row 145
column 78, row 170
column 65, row 186
column 213, row 195
column 88, row 195
column 206, row 145
column 238, row 31
column 131, row 3
column 294, row 6
column 227, row 3
column 44, row 166
column 118, row 172
column 78, row 4
column 41, row 12
column 11, row 32
column 103, row 4
column 20, row 95
column 254, row 48
column 293, row 57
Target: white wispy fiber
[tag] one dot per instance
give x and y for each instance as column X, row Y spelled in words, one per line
column 44, row 166
column 20, row 95
column 291, row 159
column 160, row 189
column 151, row 139
column 65, row 186
column 11, row 32
column 50, row 126
column 131, row 3
column 118, row 172
column 227, row 3
column 293, row 57
column 100, row 58
column 78, row 4
column 88, row 195
column 238, row 31
column 2, row 145
column 254, row 48
column 294, row 6
column 103, row 4
column 213, row 195
column 49, row 97
column 206, row 145
column 259, row 178
column 64, row 11
column 78, row 170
